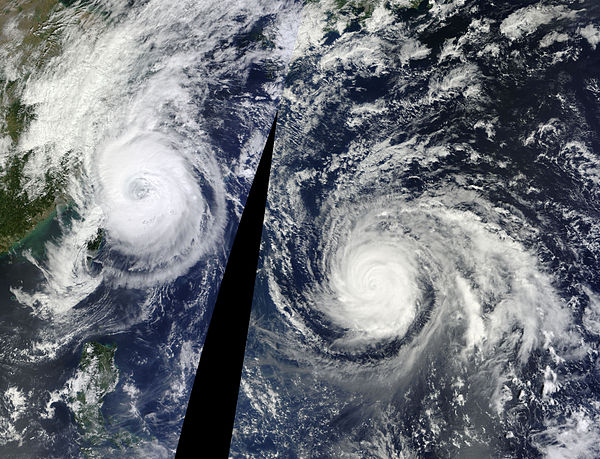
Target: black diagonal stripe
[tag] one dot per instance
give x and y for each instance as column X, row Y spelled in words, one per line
column 210, row 415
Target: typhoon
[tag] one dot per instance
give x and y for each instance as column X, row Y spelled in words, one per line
column 162, row 209
column 394, row 276
column 429, row 276
column 130, row 136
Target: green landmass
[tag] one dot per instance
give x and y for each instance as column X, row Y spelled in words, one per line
column 35, row 36
column 35, row 241
column 31, row 34
column 16, row 118
column 19, row 212
column 419, row 3
column 94, row 244
column 352, row 13
column 258, row 35
column 96, row 377
column 361, row 9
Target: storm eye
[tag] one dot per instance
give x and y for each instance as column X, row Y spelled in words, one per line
column 139, row 188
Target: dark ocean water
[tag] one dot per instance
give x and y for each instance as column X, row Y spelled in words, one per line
column 477, row 155
column 233, row 86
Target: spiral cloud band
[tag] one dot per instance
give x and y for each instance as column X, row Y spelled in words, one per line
column 375, row 282
column 405, row 275
column 141, row 124
column 158, row 212
column 433, row 240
